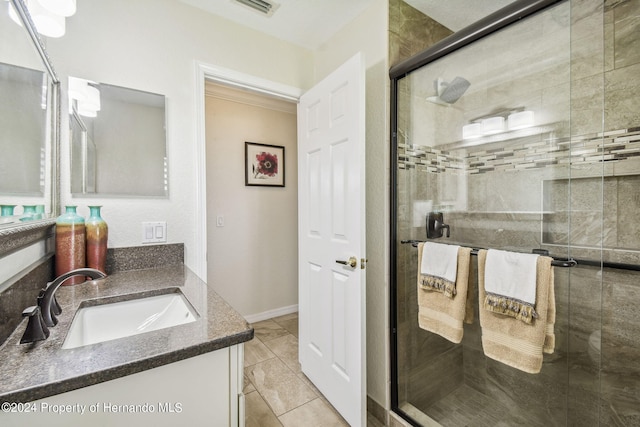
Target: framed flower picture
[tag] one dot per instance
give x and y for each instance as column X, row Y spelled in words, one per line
column 264, row 164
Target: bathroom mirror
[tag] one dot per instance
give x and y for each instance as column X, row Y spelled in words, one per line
column 118, row 141
column 29, row 112
column 23, row 130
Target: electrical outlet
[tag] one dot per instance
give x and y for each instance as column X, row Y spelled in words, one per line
column 220, row 221
column 154, row 232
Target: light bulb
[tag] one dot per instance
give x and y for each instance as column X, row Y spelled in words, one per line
column 48, row 24
column 59, row 7
column 520, row 120
column 492, row 125
column 86, row 112
column 471, row 131
column 93, row 99
column 14, row 15
column 77, row 88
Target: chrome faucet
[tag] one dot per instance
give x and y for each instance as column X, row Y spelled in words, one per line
column 43, row 316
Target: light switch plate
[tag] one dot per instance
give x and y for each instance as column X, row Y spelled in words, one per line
column 154, row 232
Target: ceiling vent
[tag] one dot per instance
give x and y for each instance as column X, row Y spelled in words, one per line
column 262, row 6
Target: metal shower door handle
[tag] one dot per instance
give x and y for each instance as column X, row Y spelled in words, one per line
column 351, row 262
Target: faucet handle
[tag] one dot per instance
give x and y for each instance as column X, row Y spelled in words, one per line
column 448, row 229
column 436, row 225
column 36, row 328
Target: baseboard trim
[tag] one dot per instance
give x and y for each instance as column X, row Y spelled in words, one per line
column 377, row 410
column 270, row 314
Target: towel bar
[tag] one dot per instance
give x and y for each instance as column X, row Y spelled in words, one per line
column 557, row 262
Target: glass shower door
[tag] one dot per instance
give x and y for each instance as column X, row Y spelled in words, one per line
column 484, row 146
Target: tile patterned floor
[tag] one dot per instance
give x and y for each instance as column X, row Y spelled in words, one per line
column 277, row 393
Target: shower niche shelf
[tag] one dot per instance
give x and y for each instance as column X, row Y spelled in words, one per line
column 603, row 212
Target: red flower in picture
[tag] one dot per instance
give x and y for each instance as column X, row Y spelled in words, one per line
column 266, row 164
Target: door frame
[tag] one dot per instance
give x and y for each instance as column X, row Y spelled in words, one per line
column 233, row 79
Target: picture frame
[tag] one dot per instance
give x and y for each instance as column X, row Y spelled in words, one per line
column 264, row 165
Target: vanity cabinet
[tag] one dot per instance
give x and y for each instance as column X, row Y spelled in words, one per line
column 204, row 390
column 185, row 375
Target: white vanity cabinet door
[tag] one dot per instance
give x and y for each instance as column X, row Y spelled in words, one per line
column 199, row 391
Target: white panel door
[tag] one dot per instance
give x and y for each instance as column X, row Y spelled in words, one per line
column 331, row 218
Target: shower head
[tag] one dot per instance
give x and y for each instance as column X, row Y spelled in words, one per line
column 451, row 92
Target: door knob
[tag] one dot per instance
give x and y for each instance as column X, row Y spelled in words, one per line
column 351, row 262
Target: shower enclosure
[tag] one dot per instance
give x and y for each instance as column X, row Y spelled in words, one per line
column 522, row 132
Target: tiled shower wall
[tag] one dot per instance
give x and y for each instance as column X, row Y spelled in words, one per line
column 522, row 154
column 575, row 190
column 410, row 31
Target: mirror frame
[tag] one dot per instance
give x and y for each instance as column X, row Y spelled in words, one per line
column 16, row 236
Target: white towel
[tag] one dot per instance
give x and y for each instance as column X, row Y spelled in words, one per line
column 508, row 340
column 439, row 268
column 440, row 313
column 511, row 274
column 510, row 283
column 440, row 260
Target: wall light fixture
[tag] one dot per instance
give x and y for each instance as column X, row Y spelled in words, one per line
column 520, row 120
column 492, row 125
column 86, row 96
column 48, row 15
column 499, row 122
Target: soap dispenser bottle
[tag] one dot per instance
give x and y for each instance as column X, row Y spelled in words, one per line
column 70, row 244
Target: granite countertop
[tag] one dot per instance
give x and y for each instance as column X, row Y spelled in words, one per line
column 35, row 371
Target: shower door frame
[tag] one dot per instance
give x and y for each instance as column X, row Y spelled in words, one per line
column 488, row 25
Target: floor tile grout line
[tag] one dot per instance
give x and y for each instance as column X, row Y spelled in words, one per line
column 287, row 366
column 293, row 409
column 261, row 342
column 298, row 375
column 293, row 372
column 254, row 364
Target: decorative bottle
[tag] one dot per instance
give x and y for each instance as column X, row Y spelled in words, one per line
column 70, row 244
column 7, row 210
column 28, row 213
column 40, row 211
column 97, row 233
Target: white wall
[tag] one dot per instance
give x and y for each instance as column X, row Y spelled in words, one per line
column 15, row 45
column 152, row 45
column 252, row 259
column 369, row 33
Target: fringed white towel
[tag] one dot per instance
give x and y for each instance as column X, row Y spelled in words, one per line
column 439, row 313
column 439, row 267
column 508, row 340
column 510, row 284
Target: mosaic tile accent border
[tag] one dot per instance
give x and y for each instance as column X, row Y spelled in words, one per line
column 523, row 153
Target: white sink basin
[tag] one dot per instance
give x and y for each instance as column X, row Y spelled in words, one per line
column 122, row 319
